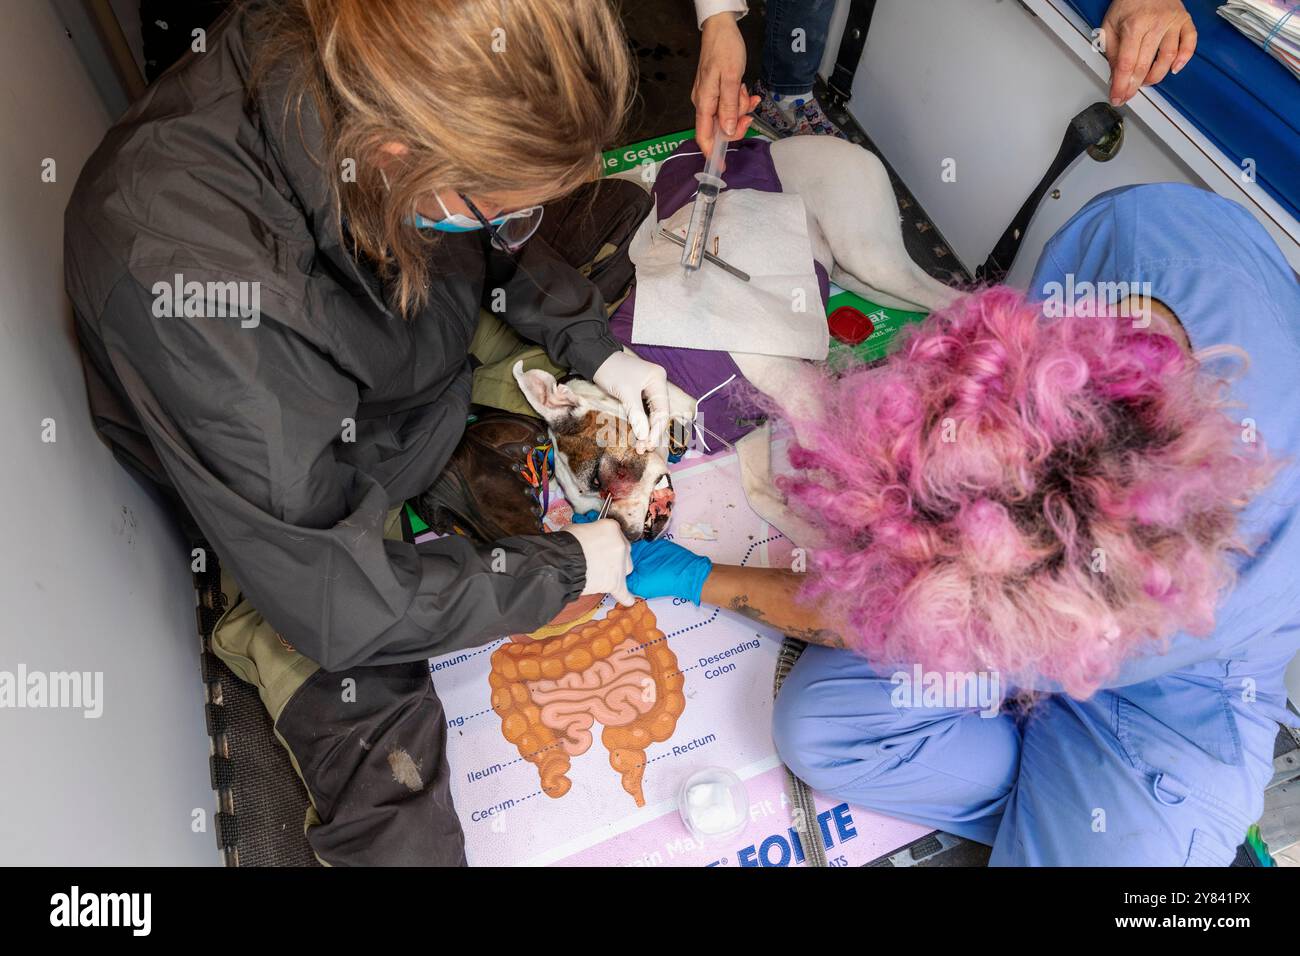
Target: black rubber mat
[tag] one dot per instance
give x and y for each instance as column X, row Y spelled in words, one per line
column 261, row 803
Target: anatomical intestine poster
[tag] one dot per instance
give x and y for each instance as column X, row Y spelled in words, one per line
column 570, row 749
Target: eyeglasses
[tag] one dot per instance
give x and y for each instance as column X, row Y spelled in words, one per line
column 507, row 232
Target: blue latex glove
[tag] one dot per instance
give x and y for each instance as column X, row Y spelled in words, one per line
column 586, row 517
column 665, row 569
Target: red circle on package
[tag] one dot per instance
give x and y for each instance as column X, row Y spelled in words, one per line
column 849, row 325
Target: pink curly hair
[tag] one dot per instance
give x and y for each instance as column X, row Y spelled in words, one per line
column 1038, row 497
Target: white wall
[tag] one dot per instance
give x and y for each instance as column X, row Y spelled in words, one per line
column 992, row 84
column 92, row 575
column 982, row 82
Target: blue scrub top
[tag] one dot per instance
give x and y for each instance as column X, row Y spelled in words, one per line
column 1223, row 276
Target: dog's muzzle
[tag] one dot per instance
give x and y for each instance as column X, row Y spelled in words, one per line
column 660, row 509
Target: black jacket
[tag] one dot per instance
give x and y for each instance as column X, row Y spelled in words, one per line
column 247, row 423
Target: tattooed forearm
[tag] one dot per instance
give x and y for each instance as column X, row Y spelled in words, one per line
column 767, row 596
column 809, row 635
column 740, row 604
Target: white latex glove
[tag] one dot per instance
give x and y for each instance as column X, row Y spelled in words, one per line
column 629, row 379
column 609, row 558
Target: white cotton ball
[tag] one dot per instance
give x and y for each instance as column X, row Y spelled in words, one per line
column 711, row 808
column 705, row 794
column 713, row 803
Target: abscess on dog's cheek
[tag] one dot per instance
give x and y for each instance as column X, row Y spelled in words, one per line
column 593, row 462
column 620, row 474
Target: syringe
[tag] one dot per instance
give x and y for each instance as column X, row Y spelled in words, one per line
column 711, row 183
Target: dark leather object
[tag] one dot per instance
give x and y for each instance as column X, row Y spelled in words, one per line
column 482, row 492
column 594, row 215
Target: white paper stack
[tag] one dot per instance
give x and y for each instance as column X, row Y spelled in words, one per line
column 1271, row 24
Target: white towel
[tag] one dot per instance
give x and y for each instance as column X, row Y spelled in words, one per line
column 778, row 312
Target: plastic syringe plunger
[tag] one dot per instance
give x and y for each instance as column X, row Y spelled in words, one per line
column 711, row 183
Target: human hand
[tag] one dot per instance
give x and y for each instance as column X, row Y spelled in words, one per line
column 665, row 569
column 720, row 98
column 608, row 557
column 636, row 384
column 1145, row 40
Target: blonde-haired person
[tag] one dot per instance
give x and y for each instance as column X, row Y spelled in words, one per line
column 277, row 260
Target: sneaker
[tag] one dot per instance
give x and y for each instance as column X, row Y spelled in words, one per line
column 801, row 117
column 811, row 120
column 770, row 113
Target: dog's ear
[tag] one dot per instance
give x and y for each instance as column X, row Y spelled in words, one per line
column 548, row 397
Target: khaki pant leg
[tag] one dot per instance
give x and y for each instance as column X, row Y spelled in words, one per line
column 415, row 824
column 253, row 649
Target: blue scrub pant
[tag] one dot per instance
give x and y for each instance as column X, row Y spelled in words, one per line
column 1169, row 772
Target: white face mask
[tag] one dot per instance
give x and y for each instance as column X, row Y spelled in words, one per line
column 514, row 228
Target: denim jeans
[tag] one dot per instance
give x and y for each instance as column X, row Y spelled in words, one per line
column 794, row 43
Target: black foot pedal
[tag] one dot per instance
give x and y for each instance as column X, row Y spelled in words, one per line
column 1097, row 131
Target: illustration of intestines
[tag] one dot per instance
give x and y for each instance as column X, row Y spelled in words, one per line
column 618, row 671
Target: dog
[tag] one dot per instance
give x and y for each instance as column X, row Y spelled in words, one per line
column 856, row 234
column 596, row 458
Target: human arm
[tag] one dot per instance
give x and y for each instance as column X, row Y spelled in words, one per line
column 766, row 595
column 705, row 10
column 770, row 596
column 247, row 424
column 549, row 302
column 719, row 95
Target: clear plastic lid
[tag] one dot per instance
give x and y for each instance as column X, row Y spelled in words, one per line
column 713, row 804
